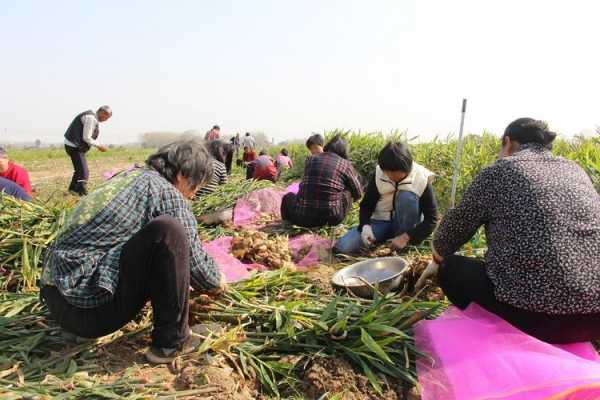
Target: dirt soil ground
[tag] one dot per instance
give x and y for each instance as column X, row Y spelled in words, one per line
column 335, row 376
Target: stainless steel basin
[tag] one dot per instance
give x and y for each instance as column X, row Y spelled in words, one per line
column 385, row 273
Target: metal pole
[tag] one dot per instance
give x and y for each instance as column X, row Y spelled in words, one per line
column 458, row 153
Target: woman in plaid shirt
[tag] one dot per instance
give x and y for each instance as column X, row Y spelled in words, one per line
column 329, row 187
column 132, row 240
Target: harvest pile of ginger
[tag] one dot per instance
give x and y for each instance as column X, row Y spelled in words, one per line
column 258, row 247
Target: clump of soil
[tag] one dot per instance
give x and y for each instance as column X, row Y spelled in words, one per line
column 320, row 277
column 228, row 383
column 336, row 377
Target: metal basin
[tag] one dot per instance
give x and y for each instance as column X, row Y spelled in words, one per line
column 385, row 273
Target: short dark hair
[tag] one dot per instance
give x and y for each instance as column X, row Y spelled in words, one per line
column 188, row 157
column 216, row 127
column 395, row 156
column 284, row 152
column 315, row 139
column 529, row 130
column 216, row 148
column 263, row 153
column 338, row 146
column 247, row 133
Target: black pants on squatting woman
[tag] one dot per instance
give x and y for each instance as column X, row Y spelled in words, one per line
column 464, row 280
column 154, row 266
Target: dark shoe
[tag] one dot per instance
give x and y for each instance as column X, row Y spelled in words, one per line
column 74, row 339
column 156, row 355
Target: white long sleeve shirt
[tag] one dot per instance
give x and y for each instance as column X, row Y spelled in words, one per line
column 89, row 121
column 248, row 141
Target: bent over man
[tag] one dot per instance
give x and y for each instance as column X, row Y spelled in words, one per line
column 81, row 135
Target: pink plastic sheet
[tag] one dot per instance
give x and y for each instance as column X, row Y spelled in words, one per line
column 249, row 209
column 233, row 269
column 307, row 250
column 475, row 355
column 316, row 249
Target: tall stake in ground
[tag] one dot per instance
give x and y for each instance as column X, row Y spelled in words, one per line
column 458, row 153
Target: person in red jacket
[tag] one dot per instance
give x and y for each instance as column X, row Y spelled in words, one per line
column 13, row 172
column 264, row 168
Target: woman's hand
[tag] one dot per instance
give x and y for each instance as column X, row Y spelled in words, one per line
column 429, row 273
column 367, row 235
column 401, row 241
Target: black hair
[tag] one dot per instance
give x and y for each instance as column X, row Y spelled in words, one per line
column 263, row 153
column 247, row 133
column 284, row 152
column 338, row 146
column 216, row 149
column 315, row 139
column 395, row 156
column 529, row 130
column 188, row 157
column 216, row 127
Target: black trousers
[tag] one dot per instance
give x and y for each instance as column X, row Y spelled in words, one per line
column 289, row 212
column 81, row 173
column 229, row 161
column 154, row 266
column 464, row 280
column 250, row 171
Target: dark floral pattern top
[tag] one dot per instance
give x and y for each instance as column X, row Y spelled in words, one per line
column 542, row 222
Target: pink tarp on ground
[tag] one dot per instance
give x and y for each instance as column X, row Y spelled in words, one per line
column 475, row 355
column 254, row 205
column 316, row 249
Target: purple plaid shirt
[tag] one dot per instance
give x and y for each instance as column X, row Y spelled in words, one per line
column 328, row 178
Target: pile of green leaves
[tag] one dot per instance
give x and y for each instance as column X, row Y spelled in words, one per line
column 226, row 195
column 25, row 231
column 283, row 315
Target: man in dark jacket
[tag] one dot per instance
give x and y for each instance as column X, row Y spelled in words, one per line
column 81, row 135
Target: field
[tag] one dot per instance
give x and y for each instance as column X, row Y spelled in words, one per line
column 280, row 334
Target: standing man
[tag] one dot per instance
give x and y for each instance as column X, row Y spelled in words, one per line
column 236, row 142
column 81, row 135
column 213, row 134
column 13, row 172
column 248, row 141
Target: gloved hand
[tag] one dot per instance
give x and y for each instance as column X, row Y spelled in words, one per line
column 430, row 272
column 367, row 235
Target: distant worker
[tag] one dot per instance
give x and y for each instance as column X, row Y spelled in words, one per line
column 249, row 155
column 248, row 141
column 213, row 134
column 326, row 193
column 216, row 148
column 315, row 144
column 12, row 189
column 283, row 162
column 14, row 172
column 263, row 168
column 81, row 135
column 236, row 142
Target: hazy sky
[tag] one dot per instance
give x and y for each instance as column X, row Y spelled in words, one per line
column 291, row 67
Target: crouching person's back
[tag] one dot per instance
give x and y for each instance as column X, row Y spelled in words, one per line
column 132, row 240
column 326, row 193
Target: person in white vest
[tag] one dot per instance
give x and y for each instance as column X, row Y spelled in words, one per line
column 399, row 204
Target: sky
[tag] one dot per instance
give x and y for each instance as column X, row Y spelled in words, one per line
column 289, row 68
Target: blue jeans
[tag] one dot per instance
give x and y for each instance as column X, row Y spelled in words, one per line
column 406, row 216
